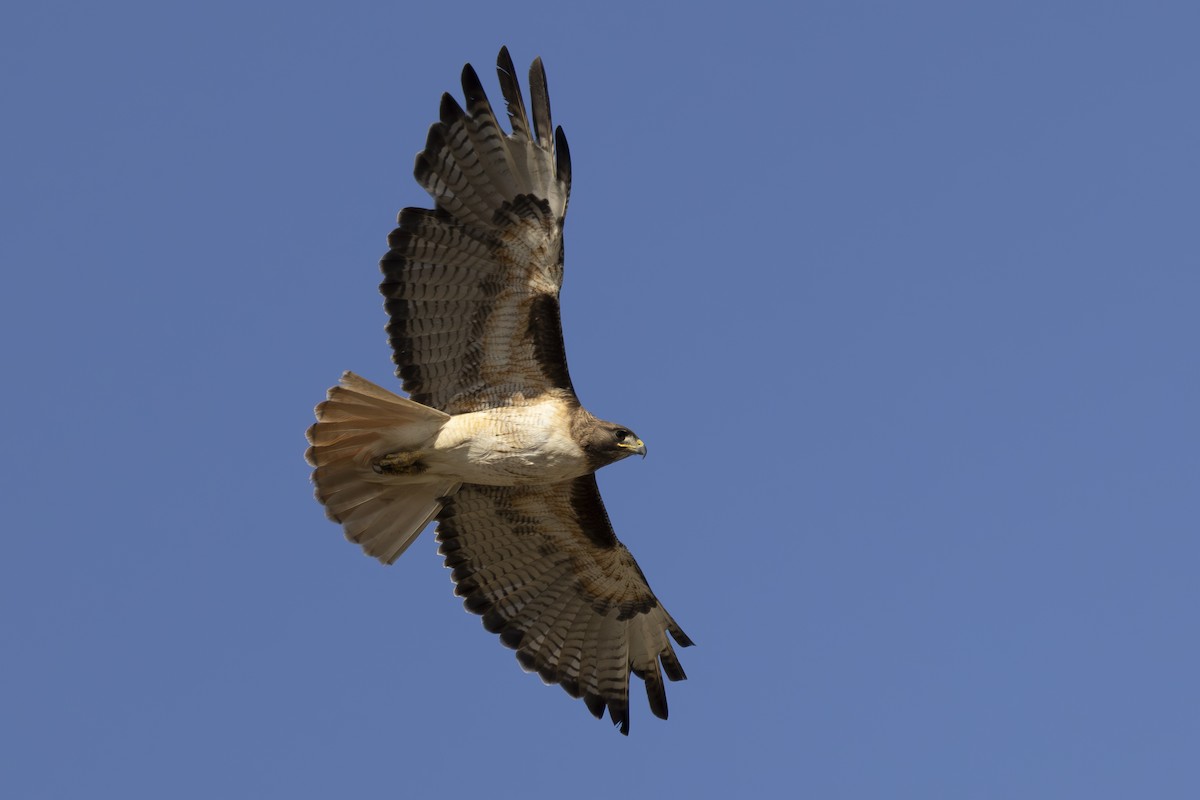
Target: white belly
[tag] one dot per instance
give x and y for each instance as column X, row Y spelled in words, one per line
column 509, row 447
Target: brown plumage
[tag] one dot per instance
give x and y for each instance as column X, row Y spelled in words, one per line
column 493, row 442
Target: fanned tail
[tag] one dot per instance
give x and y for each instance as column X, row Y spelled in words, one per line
column 357, row 424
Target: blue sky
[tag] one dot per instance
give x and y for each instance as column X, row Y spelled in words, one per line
column 903, row 298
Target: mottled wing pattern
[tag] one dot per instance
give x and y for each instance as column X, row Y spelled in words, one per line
column 544, row 568
column 472, row 285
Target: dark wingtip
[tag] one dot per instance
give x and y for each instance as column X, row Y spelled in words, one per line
column 619, row 714
column 671, row 666
column 562, row 156
column 656, row 693
column 595, row 705
column 540, row 99
column 449, row 112
column 681, row 638
column 510, row 86
column 472, row 86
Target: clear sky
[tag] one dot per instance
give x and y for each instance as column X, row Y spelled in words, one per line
column 903, row 297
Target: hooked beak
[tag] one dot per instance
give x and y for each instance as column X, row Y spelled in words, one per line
column 638, row 447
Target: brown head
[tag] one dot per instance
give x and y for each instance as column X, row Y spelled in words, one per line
column 604, row 442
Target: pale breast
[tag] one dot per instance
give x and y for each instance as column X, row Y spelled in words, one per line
column 510, row 446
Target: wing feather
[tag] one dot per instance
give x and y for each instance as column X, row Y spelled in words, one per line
column 543, row 567
column 513, row 101
column 540, row 95
column 484, row 267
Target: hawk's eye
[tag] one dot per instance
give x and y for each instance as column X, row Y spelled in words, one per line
column 622, row 435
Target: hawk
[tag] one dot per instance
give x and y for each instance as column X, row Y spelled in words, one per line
column 493, row 442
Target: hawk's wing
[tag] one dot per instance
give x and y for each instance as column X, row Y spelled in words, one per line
column 543, row 567
column 472, row 286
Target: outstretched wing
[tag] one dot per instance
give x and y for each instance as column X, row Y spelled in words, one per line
column 472, row 286
column 544, row 568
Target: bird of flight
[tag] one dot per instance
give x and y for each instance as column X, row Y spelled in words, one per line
column 493, row 443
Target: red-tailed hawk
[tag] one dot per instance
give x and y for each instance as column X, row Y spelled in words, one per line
column 493, row 443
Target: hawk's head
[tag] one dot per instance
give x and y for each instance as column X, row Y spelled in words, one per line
column 606, row 442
